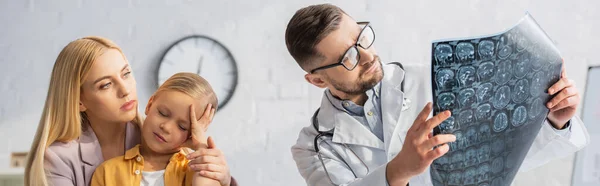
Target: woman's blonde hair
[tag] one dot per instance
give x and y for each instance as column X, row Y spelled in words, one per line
column 191, row 84
column 61, row 119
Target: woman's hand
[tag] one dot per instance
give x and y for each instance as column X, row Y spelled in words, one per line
column 211, row 163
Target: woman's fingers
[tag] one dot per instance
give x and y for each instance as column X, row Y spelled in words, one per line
column 204, row 152
column 213, row 175
column 206, row 159
column 207, row 167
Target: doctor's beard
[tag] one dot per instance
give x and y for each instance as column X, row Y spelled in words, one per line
column 363, row 84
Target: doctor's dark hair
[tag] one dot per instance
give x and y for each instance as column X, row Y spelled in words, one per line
column 307, row 28
column 191, row 84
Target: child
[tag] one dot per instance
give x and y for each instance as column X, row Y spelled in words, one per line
column 159, row 159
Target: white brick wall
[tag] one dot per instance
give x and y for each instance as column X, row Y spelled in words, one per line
column 272, row 101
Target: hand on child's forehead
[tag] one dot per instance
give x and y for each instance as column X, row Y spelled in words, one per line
column 181, row 103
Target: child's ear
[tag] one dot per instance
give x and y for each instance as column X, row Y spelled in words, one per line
column 149, row 105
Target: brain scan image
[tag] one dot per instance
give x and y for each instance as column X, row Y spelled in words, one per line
column 486, row 71
column 504, row 48
column 466, row 97
column 483, row 112
column 465, row 51
column 466, row 75
column 520, row 41
column 497, row 165
column 502, row 97
column 519, row 116
column 484, row 132
column 444, row 54
column 500, row 122
column 465, row 117
column 537, row 83
column 496, row 87
column 483, row 173
column 485, row 92
column 445, row 78
column 470, row 175
column 448, row 124
column 536, row 108
column 471, row 157
column 521, row 91
column 457, row 160
column 446, row 100
column 483, row 153
column 486, row 49
column 503, row 72
column 521, row 67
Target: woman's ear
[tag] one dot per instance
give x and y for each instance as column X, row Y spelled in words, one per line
column 82, row 107
column 315, row 79
column 149, row 105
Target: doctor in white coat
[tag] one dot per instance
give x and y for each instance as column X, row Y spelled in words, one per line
column 370, row 128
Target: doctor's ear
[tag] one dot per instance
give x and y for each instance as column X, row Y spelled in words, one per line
column 315, row 79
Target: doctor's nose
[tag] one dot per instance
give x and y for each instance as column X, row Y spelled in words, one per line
column 366, row 56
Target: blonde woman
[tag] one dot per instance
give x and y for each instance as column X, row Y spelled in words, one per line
column 91, row 115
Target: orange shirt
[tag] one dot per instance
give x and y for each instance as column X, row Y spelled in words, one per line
column 127, row 170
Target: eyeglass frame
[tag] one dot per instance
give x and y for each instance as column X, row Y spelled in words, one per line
column 355, row 46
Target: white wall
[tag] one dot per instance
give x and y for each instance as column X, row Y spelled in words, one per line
column 272, row 101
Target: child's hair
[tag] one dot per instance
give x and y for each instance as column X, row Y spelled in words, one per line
column 191, row 84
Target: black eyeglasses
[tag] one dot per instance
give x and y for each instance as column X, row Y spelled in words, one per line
column 351, row 58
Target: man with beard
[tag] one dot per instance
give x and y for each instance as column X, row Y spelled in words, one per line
column 370, row 129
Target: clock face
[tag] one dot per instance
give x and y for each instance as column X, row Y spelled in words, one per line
column 205, row 57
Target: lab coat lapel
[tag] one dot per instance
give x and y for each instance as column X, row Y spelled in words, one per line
column 391, row 102
column 347, row 130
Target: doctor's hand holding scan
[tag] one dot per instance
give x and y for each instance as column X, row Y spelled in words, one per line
column 417, row 151
column 564, row 104
column 372, row 127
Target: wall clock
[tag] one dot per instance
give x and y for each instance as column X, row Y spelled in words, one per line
column 206, row 57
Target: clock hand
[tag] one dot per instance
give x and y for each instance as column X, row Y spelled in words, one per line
column 200, row 65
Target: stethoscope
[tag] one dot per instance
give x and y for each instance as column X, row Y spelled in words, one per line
column 315, row 122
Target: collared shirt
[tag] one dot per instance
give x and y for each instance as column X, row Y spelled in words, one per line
column 369, row 115
column 127, row 170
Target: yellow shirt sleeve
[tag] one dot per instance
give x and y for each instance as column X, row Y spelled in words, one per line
column 189, row 176
column 98, row 177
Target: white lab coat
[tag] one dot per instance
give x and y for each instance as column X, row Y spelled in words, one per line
column 548, row 144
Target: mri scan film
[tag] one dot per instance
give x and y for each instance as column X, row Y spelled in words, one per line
column 496, row 87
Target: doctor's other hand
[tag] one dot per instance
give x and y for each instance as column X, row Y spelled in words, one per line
column 210, row 162
column 418, row 149
column 564, row 104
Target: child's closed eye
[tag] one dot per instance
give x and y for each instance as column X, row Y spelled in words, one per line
column 182, row 127
column 162, row 114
